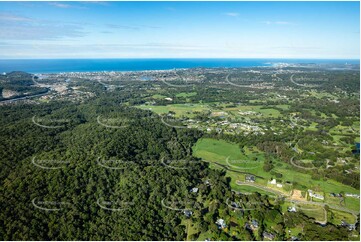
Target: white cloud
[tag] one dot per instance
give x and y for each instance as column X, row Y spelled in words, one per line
column 232, row 14
column 70, row 50
column 60, row 5
column 16, row 27
column 96, row 3
column 15, row 18
column 64, row 5
column 40, row 31
column 283, row 23
column 131, row 27
column 277, row 22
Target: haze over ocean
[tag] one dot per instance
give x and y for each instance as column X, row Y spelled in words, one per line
column 91, row 65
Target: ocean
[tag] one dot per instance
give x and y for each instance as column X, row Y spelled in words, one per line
column 89, row 65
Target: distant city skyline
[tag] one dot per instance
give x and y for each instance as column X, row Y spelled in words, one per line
column 310, row 30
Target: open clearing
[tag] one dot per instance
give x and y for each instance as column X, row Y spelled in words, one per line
column 217, row 151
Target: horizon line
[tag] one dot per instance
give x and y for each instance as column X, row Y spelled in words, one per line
column 143, row 58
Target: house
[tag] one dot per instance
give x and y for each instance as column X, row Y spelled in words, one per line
column 268, row 236
column 233, row 125
column 194, row 190
column 279, row 185
column 250, row 178
column 318, row 196
column 273, row 182
column 296, row 150
column 292, row 209
column 187, row 213
column 234, row 205
column 347, row 225
column 221, row 223
column 254, row 224
column 352, row 195
column 332, row 194
column 168, row 99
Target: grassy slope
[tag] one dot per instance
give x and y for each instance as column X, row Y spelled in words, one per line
column 218, row 150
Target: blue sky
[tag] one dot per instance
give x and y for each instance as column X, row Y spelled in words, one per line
column 179, row 30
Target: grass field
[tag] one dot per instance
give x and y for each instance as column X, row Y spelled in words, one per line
column 294, row 231
column 267, row 112
column 229, row 154
column 316, row 212
column 204, row 236
column 352, row 203
column 157, row 96
column 186, row 94
column 335, row 217
column 321, row 94
column 179, row 109
column 213, row 150
column 188, row 109
column 249, row 189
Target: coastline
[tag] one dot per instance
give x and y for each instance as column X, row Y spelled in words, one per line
column 47, row 66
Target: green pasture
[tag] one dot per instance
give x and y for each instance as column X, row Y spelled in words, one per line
column 213, row 150
column 186, row 94
column 178, row 109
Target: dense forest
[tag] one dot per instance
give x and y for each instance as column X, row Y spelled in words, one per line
column 75, row 192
